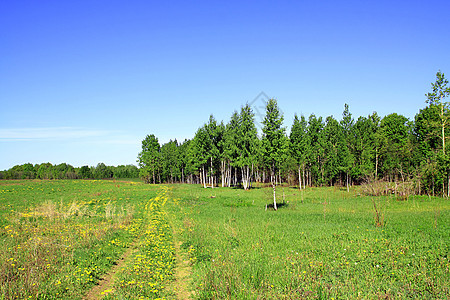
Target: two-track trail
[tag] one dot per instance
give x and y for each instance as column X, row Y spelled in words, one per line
column 182, row 274
column 106, row 284
column 179, row 287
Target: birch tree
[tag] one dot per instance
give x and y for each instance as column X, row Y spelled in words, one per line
column 274, row 142
column 149, row 158
column 230, row 147
column 298, row 141
column 440, row 91
column 247, row 144
column 347, row 157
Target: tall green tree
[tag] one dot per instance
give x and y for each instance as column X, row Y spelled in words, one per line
column 201, row 149
column 298, row 139
column 169, row 161
column 149, row 158
column 440, row 91
column 215, row 134
column 316, row 149
column 346, row 153
column 45, row 171
column 230, row 148
column 394, row 133
column 247, row 144
column 183, row 156
column 365, row 148
column 206, row 150
column 440, row 107
column 274, row 142
column 332, row 137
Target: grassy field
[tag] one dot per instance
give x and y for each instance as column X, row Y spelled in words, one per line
column 62, row 239
column 59, row 238
column 326, row 247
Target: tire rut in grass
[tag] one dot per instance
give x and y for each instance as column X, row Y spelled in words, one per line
column 183, row 270
column 108, row 280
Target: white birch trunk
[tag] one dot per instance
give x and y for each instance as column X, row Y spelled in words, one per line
column 204, row 177
column 274, row 196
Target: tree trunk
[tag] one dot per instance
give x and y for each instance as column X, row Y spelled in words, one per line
column 274, row 197
column 376, row 164
column 348, row 189
column 299, row 178
column 204, row 177
column 448, row 186
column 251, row 179
column 304, row 183
column 222, row 172
column 211, row 175
column 443, row 127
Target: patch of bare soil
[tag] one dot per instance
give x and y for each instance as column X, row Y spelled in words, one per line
column 107, row 282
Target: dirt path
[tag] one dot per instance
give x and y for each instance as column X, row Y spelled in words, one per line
column 182, row 282
column 107, row 282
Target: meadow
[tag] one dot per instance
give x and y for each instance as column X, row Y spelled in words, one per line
column 61, row 239
column 324, row 243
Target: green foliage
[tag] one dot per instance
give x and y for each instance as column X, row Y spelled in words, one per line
column 319, row 151
column 299, row 145
column 246, row 138
column 395, row 147
column 440, row 90
column 274, row 141
column 149, row 158
column 365, row 147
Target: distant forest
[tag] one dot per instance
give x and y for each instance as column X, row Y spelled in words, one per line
column 317, row 151
column 66, row 171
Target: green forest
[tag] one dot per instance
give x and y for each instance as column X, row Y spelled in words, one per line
column 412, row 154
column 66, row 171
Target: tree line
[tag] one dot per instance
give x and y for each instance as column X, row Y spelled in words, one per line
column 66, row 171
column 317, row 151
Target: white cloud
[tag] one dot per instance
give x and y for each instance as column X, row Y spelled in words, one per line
column 49, row 133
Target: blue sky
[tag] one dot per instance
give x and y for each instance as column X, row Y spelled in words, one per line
column 83, row 82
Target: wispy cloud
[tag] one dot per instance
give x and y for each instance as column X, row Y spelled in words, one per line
column 49, row 133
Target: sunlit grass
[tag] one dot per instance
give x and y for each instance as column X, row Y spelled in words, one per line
column 323, row 244
column 150, row 269
column 60, row 237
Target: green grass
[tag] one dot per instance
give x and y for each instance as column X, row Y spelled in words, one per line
column 59, row 237
column 326, row 247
